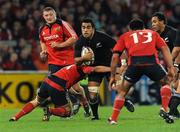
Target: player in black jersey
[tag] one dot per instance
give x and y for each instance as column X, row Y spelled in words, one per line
column 102, row 45
column 169, row 34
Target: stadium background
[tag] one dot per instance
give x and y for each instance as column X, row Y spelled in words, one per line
column 19, row 44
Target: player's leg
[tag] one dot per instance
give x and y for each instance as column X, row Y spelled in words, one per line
column 128, row 103
column 60, row 99
column 94, row 81
column 26, row 109
column 157, row 73
column 131, row 76
column 119, row 101
column 80, row 94
column 175, row 100
column 94, row 99
column 41, row 96
column 166, row 93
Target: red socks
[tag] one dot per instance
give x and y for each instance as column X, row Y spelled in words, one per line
column 25, row 110
column 118, row 104
column 165, row 96
column 61, row 111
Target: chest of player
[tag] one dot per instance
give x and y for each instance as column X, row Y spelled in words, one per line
column 53, row 33
column 169, row 40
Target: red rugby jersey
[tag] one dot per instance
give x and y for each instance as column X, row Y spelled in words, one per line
column 58, row 33
column 139, row 43
column 73, row 73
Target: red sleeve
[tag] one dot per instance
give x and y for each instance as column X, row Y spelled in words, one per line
column 68, row 30
column 40, row 34
column 160, row 42
column 120, row 45
column 87, row 69
column 41, row 38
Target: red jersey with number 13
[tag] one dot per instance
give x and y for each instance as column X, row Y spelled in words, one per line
column 140, row 43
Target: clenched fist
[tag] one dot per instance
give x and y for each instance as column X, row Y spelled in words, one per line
column 43, row 56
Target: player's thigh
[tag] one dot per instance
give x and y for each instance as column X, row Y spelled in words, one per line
column 155, row 72
column 59, row 98
column 133, row 74
column 42, row 92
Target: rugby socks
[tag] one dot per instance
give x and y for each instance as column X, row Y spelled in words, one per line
column 25, row 110
column 61, row 111
column 165, row 96
column 118, row 105
column 94, row 108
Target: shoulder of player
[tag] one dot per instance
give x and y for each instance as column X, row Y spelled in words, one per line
column 42, row 27
column 46, row 25
column 170, row 29
column 80, row 42
column 100, row 33
column 103, row 36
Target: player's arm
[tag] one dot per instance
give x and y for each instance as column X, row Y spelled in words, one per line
column 68, row 33
column 176, row 55
column 69, row 42
column 114, row 63
column 168, row 60
column 102, row 69
column 43, row 53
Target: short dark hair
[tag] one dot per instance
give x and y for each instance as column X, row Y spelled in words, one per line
column 160, row 16
column 49, row 8
column 136, row 24
column 88, row 20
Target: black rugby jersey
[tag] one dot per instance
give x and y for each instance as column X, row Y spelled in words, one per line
column 101, row 44
column 177, row 42
column 169, row 36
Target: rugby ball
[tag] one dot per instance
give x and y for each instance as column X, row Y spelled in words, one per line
column 86, row 50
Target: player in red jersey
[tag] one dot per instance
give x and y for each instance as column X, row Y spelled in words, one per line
column 57, row 38
column 141, row 45
column 55, row 86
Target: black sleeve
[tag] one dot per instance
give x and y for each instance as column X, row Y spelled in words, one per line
column 177, row 41
column 78, row 48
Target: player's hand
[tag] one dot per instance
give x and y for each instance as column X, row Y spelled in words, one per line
column 112, row 83
column 55, row 45
column 43, row 56
column 171, row 73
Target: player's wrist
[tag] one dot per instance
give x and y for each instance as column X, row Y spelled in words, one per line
column 175, row 65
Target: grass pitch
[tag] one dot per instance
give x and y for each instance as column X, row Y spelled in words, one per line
column 144, row 119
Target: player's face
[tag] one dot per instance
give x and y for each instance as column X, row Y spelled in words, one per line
column 155, row 23
column 87, row 30
column 49, row 16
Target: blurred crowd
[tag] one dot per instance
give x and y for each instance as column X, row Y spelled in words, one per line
column 20, row 21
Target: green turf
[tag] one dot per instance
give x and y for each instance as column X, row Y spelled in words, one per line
column 144, row 119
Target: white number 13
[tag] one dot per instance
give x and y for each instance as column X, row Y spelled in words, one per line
column 147, row 35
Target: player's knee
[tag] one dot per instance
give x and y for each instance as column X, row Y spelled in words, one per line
column 166, row 91
column 35, row 102
column 93, row 89
column 164, row 81
column 94, row 99
column 44, row 102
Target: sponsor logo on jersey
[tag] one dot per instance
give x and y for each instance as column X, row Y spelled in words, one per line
column 57, row 29
column 166, row 39
column 98, row 45
column 51, row 37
